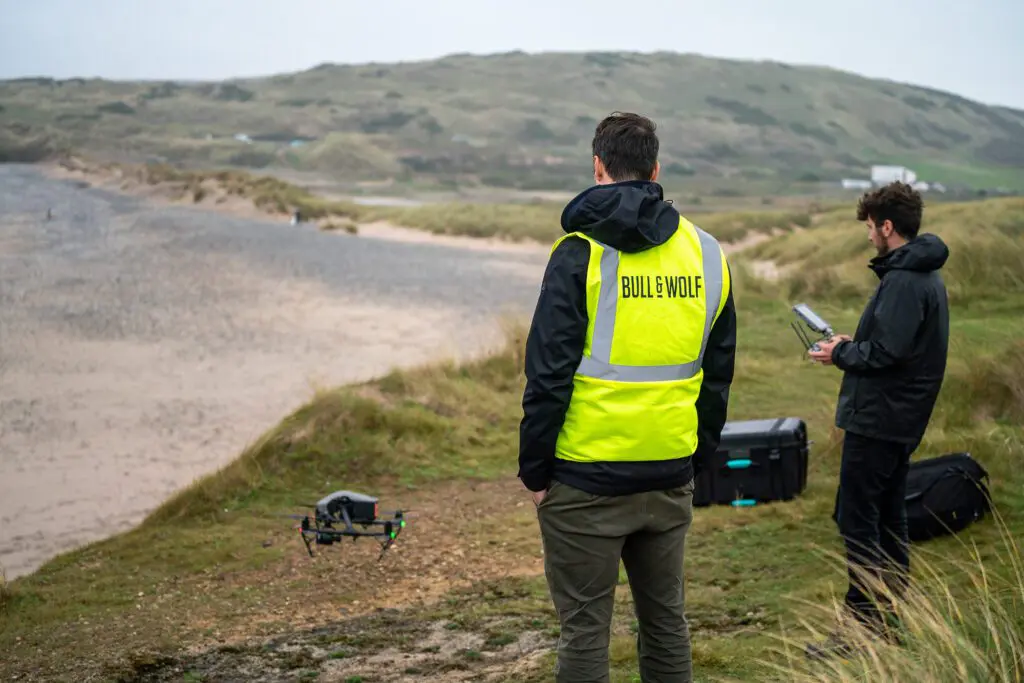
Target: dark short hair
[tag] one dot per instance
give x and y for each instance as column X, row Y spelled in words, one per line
column 897, row 202
column 627, row 146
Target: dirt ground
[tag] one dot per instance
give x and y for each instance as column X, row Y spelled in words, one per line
column 143, row 345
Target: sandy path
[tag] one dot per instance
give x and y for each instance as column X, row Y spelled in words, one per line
column 143, row 345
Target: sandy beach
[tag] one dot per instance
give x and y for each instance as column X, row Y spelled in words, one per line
column 144, row 344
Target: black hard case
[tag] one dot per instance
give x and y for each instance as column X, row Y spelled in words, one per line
column 758, row 461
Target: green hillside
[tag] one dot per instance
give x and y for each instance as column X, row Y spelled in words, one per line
column 526, row 120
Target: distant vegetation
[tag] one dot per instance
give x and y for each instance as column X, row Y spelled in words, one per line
column 525, row 121
column 538, row 221
column 21, row 143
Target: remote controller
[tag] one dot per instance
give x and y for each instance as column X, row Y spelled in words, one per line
column 815, row 323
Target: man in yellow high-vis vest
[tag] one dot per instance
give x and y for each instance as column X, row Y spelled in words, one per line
column 629, row 361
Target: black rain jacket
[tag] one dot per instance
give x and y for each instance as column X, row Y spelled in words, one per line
column 631, row 217
column 895, row 365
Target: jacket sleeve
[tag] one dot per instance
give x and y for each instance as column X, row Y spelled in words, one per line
column 554, row 347
column 713, row 400
column 899, row 312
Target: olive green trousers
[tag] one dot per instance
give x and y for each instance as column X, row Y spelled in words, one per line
column 585, row 536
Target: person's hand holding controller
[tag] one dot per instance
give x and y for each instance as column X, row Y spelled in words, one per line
column 823, row 354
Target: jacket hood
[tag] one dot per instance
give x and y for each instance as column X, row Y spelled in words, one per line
column 630, row 216
column 924, row 253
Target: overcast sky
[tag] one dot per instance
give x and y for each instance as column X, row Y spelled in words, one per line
column 975, row 49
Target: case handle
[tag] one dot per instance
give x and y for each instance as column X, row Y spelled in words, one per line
column 739, row 464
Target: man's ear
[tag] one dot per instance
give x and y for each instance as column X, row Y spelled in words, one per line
column 657, row 171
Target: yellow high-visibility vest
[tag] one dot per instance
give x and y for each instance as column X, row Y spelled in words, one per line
column 649, row 316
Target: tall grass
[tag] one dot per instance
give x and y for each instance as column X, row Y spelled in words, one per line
column 963, row 615
column 988, row 386
column 5, row 590
column 971, row 634
column 987, row 262
column 734, row 226
column 984, row 239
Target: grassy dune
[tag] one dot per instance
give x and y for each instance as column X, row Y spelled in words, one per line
column 508, row 221
column 986, row 253
column 214, row 565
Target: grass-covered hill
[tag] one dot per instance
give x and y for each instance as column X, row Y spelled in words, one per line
column 214, row 586
column 526, row 120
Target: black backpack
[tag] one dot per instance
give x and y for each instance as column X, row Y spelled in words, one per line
column 945, row 495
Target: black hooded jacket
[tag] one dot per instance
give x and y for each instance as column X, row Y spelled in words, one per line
column 631, row 217
column 895, row 365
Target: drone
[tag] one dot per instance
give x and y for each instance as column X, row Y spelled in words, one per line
column 349, row 509
column 815, row 322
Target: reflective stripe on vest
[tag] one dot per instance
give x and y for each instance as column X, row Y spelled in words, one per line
column 597, row 365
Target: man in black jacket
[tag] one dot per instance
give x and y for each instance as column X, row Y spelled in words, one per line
column 893, row 370
column 635, row 506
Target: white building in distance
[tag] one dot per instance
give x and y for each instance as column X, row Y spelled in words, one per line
column 883, row 175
